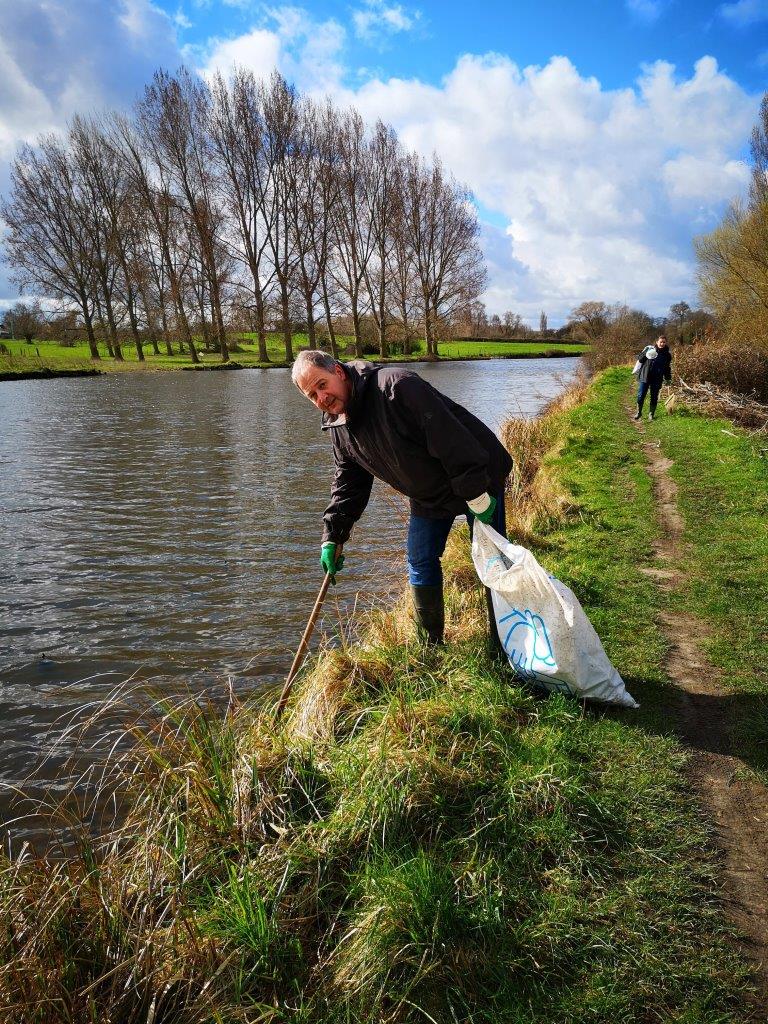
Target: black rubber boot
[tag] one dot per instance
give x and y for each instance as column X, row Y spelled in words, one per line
column 430, row 612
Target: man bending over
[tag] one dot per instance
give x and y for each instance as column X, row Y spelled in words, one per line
column 389, row 423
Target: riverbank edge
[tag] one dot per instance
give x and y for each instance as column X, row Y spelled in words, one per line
column 418, row 836
column 46, row 373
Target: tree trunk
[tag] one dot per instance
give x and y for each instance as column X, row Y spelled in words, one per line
column 261, row 334
column 218, row 320
column 92, row 345
column 111, row 325
column 329, row 323
column 431, row 348
column 151, row 322
column 166, row 330
column 382, row 321
column 287, row 336
column 311, row 329
column 356, row 329
column 135, row 327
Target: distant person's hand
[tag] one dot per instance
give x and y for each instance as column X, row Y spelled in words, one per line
column 482, row 508
column 328, row 560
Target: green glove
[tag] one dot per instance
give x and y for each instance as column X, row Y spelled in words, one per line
column 482, row 508
column 328, row 560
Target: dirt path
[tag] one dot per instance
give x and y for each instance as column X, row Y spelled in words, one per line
column 732, row 799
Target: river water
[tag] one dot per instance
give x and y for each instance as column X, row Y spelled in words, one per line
column 165, row 527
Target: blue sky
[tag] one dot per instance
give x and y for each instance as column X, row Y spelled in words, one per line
column 609, row 40
column 598, row 137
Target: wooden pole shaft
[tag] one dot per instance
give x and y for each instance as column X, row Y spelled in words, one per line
column 302, row 649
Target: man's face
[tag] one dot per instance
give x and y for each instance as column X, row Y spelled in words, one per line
column 661, row 343
column 329, row 390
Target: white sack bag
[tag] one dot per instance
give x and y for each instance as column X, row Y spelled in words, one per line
column 650, row 353
column 545, row 633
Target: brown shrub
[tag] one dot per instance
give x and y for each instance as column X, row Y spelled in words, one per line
column 534, row 497
column 740, row 369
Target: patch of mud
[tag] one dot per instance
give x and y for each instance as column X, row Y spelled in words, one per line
column 706, row 712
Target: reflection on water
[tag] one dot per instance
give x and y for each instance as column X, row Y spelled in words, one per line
column 166, row 527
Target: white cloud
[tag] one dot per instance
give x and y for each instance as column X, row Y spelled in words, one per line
column 61, row 57
column 601, row 190
column 377, row 19
column 745, row 12
column 180, row 19
column 306, row 51
column 259, row 49
column 646, row 10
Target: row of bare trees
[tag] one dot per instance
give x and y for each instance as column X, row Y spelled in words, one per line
column 240, row 205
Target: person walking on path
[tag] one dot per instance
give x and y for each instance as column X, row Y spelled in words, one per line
column 655, row 368
column 387, row 422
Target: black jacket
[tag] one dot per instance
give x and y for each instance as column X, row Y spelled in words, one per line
column 658, row 368
column 400, row 429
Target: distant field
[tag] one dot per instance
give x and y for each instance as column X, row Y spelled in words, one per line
column 22, row 357
column 485, row 349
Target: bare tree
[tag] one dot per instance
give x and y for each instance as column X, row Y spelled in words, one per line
column 680, row 310
column 48, row 245
column 149, row 179
column 589, row 320
column 353, row 223
column 308, row 217
column 24, row 320
column 237, row 133
column 384, row 157
column 110, row 208
column 404, row 281
column 279, row 105
column 329, row 196
column 173, row 115
column 443, row 230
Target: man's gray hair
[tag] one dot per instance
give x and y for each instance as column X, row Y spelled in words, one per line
column 312, row 357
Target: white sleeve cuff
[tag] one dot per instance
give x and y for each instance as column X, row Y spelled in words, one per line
column 479, row 505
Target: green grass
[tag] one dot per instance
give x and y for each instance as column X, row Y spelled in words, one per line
column 419, row 839
column 722, row 477
column 601, row 547
column 506, row 349
column 23, row 357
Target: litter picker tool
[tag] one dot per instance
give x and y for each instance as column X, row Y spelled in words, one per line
column 302, row 649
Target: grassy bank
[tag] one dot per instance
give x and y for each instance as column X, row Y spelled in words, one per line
column 419, row 839
column 722, row 476
column 22, row 358
column 602, row 539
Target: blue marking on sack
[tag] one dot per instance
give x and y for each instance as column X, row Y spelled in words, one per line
column 542, row 645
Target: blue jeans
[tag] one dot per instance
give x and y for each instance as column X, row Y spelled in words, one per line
column 654, row 386
column 427, row 539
